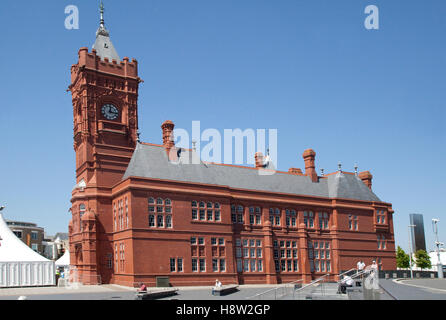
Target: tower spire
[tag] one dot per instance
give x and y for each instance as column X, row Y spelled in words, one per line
column 101, row 8
column 103, row 44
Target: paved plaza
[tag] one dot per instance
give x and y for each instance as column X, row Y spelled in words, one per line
column 401, row 289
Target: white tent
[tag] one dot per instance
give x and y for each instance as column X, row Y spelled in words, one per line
column 64, row 261
column 20, row 266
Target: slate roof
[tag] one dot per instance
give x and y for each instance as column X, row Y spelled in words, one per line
column 103, row 45
column 150, row 161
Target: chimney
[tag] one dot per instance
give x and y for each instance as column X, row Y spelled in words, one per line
column 310, row 168
column 168, row 141
column 167, row 127
column 295, row 171
column 366, row 177
column 259, row 160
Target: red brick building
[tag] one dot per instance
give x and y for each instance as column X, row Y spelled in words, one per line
column 139, row 211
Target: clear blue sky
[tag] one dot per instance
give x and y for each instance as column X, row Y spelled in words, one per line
column 308, row 68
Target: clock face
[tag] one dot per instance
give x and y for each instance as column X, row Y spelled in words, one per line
column 110, row 112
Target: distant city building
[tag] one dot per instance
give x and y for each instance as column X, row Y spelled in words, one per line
column 29, row 233
column 55, row 246
column 418, row 239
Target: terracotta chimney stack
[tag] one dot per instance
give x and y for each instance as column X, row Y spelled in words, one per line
column 310, row 168
column 259, row 160
column 366, row 177
column 167, row 127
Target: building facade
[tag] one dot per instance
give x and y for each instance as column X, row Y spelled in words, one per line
column 29, row 233
column 142, row 211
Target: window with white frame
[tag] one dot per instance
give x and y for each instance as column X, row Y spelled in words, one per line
column 206, row 211
column 160, row 213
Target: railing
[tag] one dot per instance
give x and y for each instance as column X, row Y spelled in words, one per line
column 344, row 273
column 312, row 287
column 277, row 292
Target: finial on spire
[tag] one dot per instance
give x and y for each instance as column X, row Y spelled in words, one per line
column 322, row 172
column 356, row 169
column 101, row 8
column 339, row 166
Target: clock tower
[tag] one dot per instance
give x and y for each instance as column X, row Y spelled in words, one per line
column 105, row 97
column 104, row 92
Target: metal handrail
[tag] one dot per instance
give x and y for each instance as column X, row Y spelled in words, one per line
column 274, row 289
column 313, row 282
column 341, row 274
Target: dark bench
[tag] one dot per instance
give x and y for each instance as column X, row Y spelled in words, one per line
column 224, row 290
column 155, row 294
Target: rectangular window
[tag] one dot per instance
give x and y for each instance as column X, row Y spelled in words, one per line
column 194, row 265
column 253, row 253
column 246, row 265
column 201, row 241
column 169, row 221
column 282, row 265
column 233, row 218
column 328, row 266
column 294, row 253
column 277, row 266
column 35, row 247
column 221, row 241
column 239, row 265
column 252, row 243
column 202, row 215
column 259, row 265
column 222, row 265
column 258, row 219
column 246, row 252
column 193, row 240
column 296, row 266
column 277, row 220
column 172, row 265
column 289, row 268
column 210, row 215
column 194, row 214
column 251, row 219
column 180, row 265
column 160, row 221
column 33, row 235
column 18, row 234
column 217, row 215
column 253, row 265
column 238, row 243
column 214, row 265
column 202, row 265
column 213, row 241
column 238, row 252
column 151, row 220
column 323, row 265
column 259, row 253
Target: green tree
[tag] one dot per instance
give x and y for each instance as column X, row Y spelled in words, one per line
column 402, row 259
column 423, row 260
